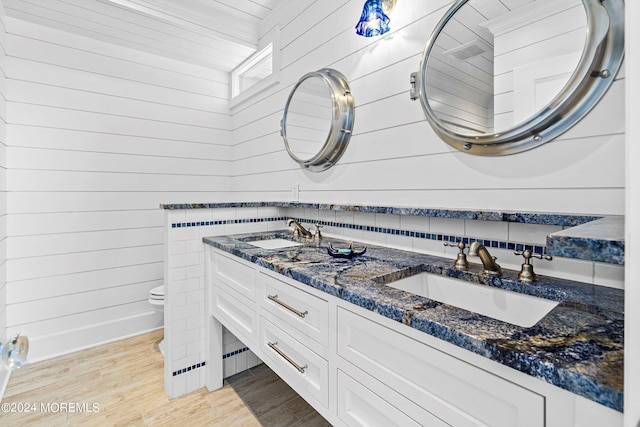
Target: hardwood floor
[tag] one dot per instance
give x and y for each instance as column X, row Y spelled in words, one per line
column 121, row 384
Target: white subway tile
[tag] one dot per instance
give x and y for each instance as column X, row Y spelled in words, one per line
column 184, row 260
column 228, row 337
column 179, row 352
column 427, row 246
column 195, row 349
column 178, row 300
column 198, row 215
column 224, row 214
column 195, row 245
column 566, row 268
column 268, row 212
column 176, row 274
column 399, row 242
column 328, row 216
column 193, row 380
column 241, row 361
column 243, row 213
column 178, row 325
column 194, row 271
column 493, row 230
column 414, row 223
column 229, row 367
column 361, row 218
column 531, row 233
column 252, row 359
column 178, row 248
column 387, row 221
column 452, row 226
column 193, row 297
column 609, row 275
column 185, row 285
column 178, row 386
column 184, row 233
column 176, row 216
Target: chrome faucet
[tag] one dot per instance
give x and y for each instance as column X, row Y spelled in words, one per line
column 488, row 261
column 300, row 230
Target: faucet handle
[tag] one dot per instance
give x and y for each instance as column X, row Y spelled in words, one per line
column 461, row 260
column 318, row 235
column 526, row 272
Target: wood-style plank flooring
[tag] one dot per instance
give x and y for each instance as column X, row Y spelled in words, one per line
column 124, row 380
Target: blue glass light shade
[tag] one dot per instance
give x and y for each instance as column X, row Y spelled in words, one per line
column 373, row 20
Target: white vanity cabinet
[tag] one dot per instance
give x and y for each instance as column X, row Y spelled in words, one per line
column 358, row 368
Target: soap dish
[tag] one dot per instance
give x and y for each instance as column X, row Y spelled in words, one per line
column 349, row 252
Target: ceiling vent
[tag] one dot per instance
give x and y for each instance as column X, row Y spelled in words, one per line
column 469, row 50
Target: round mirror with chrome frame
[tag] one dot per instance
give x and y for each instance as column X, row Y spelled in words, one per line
column 318, row 119
column 592, row 72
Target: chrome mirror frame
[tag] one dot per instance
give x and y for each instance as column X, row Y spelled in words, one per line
column 594, row 74
column 343, row 113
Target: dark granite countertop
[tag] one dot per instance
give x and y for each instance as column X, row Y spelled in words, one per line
column 577, row 346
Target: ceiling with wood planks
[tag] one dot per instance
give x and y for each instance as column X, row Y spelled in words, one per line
column 217, row 34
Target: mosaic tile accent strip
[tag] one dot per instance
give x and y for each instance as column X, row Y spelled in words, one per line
column 234, row 353
column 189, row 369
column 516, row 246
column 225, row 222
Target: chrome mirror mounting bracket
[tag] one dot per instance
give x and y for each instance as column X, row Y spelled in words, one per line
column 600, row 61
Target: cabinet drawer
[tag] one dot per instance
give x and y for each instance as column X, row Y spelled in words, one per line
column 305, row 371
column 239, row 277
column 360, row 406
column 296, row 308
column 451, row 389
column 234, row 314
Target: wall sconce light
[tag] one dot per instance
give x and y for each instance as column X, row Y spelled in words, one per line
column 14, row 352
column 374, row 20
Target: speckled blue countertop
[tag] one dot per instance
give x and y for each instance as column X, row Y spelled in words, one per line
column 600, row 240
column 567, row 220
column 578, row 346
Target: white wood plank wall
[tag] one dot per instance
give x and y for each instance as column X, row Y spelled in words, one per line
column 99, row 135
column 394, row 158
column 4, row 374
column 3, row 176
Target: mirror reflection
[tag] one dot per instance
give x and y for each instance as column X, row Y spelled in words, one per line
column 318, row 119
column 309, row 118
column 496, row 63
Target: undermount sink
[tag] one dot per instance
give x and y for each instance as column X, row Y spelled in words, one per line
column 273, row 243
column 511, row 307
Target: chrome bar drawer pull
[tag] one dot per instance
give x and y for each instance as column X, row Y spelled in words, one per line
column 273, row 345
column 275, row 299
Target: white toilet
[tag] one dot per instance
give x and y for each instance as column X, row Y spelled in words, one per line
column 156, row 299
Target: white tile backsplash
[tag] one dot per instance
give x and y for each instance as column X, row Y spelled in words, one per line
column 609, row 275
column 415, row 223
column 492, row 230
column 447, row 226
column 388, row 221
column 531, row 233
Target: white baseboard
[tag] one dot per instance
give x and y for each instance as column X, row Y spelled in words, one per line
column 88, row 336
column 5, row 374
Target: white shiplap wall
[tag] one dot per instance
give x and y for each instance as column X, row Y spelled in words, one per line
column 4, row 375
column 99, row 135
column 394, row 158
